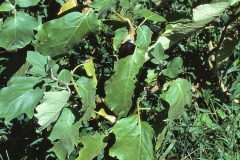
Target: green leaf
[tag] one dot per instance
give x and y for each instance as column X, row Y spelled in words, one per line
column 89, row 68
column 38, row 62
column 207, row 12
column 64, row 134
column 158, row 54
column 17, row 31
column 144, row 35
column 120, row 87
column 103, row 6
column 120, row 35
column 49, row 110
column 93, row 146
column 65, row 76
column 178, row 95
column 26, row 3
column 202, row 15
column 60, row 35
column 21, row 97
column 151, row 74
column 87, row 90
column 133, row 140
column 174, row 67
column 6, row 7
column 152, row 16
column 221, row 113
column 125, row 4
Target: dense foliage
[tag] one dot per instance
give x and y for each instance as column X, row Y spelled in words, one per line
column 119, row 79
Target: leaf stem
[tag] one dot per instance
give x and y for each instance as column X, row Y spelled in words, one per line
column 131, row 27
column 73, row 80
column 142, row 22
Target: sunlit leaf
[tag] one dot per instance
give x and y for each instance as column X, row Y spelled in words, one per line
column 93, row 145
column 68, row 5
column 137, row 136
column 120, row 87
column 21, row 97
column 151, row 16
column 64, row 134
column 179, row 94
column 62, row 34
column 49, row 110
column 174, row 67
column 6, row 7
column 144, row 35
column 16, row 32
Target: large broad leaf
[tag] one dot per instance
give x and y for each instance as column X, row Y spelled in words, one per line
column 26, row 3
column 87, row 90
column 174, row 67
column 202, row 15
column 21, row 97
column 93, row 145
column 120, row 87
column 49, row 110
column 103, row 6
column 133, row 140
column 179, row 94
column 17, row 31
column 144, row 35
column 64, row 134
column 60, row 35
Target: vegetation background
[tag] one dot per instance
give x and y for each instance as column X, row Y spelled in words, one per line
column 119, row 79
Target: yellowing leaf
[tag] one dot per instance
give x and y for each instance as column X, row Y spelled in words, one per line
column 68, row 5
